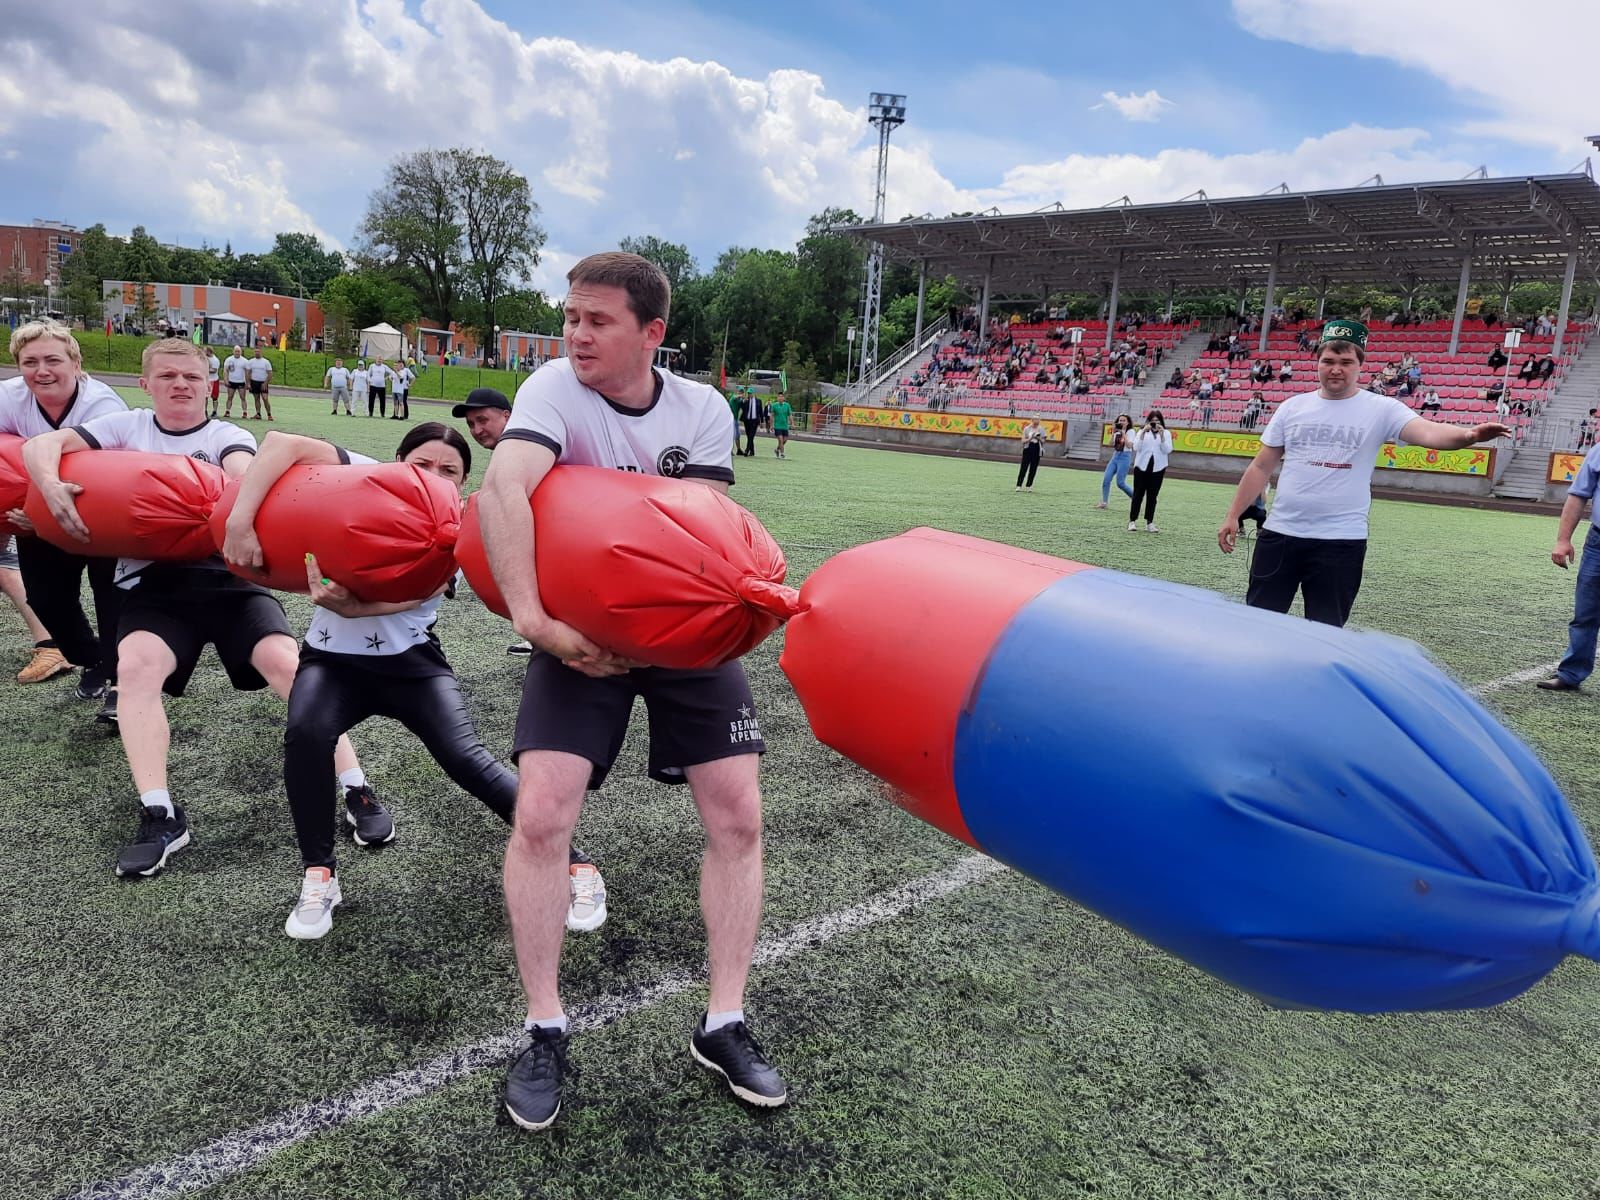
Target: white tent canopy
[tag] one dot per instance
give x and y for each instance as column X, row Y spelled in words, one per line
column 382, row 341
column 229, row 328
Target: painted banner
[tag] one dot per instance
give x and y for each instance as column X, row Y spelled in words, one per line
column 1474, row 460
column 971, row 424
column 1564, row 467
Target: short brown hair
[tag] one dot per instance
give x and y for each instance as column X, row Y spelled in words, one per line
column 649, row 292
column 32, row 331
column 1339, row 346
column 170, row 346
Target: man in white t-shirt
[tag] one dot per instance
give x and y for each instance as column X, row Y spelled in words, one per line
column 213, row 373
column 337, row 377
column 260, row 371
column 170, row 611
column 1327, row 443
column 378, row 378
column 604, row 405
column 403, row 380
column 236, row 374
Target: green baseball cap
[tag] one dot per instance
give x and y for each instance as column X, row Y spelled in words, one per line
column 1345, row 331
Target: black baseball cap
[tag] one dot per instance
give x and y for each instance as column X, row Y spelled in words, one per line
column 481, row 398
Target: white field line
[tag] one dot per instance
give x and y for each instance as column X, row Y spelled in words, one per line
column 1526, row 675
column 236, row 1152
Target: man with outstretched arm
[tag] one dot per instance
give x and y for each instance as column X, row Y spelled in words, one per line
column 605, row 405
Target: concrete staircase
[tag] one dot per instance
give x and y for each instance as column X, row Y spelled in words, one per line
column 1085, row 446
column 1557, row 427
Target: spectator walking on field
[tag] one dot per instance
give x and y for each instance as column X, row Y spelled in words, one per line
column 1577, row 664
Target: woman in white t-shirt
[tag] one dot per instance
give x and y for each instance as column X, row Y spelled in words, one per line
column 358, row 389
column 1152, row 447
column 362, row 659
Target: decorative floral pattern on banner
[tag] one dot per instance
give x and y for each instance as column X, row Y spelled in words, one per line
column 1474, row 460
column 1564, row 467
column 971, row 424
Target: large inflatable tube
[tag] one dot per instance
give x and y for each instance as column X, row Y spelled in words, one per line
column 386, row 531
column 668, row 572
column 136, row 505
column 1318, row 816
column 13, row 479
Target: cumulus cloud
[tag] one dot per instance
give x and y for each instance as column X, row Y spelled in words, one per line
column 1538, row 96
column 1136, row 106
column 224, row 132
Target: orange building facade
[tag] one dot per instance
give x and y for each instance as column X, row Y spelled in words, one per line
column 265, row 315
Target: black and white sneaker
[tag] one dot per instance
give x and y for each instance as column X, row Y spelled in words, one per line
column 533, row 1083
column 108, row 708
column 370, row 822
column 91, row 684
column 158, row 839
column 520, row 648
column 732, row 1053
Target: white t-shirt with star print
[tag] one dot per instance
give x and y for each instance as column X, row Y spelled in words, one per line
column 379, row 638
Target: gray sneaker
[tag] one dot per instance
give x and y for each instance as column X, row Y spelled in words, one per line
column 312, row 915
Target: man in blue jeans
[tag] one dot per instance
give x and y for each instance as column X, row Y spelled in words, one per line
column 1578, row 664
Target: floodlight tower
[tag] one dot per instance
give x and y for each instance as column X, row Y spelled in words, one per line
column 886, row 112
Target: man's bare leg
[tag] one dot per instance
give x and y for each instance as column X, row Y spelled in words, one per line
column 728, row 794
column 550, row 790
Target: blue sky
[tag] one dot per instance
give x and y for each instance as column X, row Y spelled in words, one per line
column 717, row 123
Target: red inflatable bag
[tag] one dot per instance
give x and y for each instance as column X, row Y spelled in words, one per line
column 136, row 505
column 13, row 480
column 387, row 532
column 665, row 571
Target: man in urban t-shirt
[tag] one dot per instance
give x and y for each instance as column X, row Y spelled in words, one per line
column 1326, row 443
column 236, row 373
column 605, row 405
column 170, row 611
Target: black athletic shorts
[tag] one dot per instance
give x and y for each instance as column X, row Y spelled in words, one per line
column 695, row 716
column 256, row 386
column 226, row 611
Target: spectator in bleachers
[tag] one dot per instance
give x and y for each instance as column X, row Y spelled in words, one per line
column 1253, row 409
column 1219, row 384
column 1547, row 367
column 1326, row 442
column 1286, row 372
column 1586, row 431
column 1152, row 449
column 1543, row 326
column 1176, row 380
column 1430, row 403
column 1497, row 358
column 1304, row 341
column 1494, row 393
column 1529, row 371
column 1122, row 438
column 1262, row 371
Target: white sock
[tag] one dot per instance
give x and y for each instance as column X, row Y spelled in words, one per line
column 354, row 777
column 561, row 1023
column 157, row 798
column 715, row 1021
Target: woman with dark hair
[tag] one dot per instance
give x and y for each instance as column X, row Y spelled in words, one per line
column 363, row 659
column 1151, row 450
column 1121, row 459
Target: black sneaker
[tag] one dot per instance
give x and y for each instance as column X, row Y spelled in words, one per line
column 159, row 837
column 732, row 1053
column 1556, row 683
column 370, row 822
column 91, row 684
column 533, row 1083
column 108, row 709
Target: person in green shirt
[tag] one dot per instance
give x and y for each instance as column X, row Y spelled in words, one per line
column 780, row 411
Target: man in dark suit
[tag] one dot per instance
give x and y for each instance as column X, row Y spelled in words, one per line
column 751, row 411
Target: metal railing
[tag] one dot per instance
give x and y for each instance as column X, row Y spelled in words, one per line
column 900, row 358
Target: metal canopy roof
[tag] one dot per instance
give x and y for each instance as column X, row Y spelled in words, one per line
column 1400, row 234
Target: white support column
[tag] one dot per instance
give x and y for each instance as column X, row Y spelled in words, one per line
column 1244, row 290
column 983, row 309
column 1461, row 300
column 1111, row 303
column 1266, row 301
column 1566, row 301
column 922, row 295
column 1171, row 291
column 1322, row 300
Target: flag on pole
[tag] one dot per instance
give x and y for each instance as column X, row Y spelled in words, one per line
column 108, row 326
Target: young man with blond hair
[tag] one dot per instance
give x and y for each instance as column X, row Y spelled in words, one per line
column 172, row 610
column 52, row 392
column 605, row 405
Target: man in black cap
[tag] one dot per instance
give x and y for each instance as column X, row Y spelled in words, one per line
column 1327, row 443
column 486, row 412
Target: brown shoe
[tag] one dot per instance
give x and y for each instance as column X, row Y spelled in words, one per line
column 47, row 663
column 1557, row 684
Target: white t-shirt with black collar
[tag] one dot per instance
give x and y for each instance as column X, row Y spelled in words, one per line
column 685, row 433
column 21, row 413
column 211, row 441
column 260, row 369
column 401, row 644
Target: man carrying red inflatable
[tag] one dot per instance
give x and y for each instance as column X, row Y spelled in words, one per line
column 604, row 405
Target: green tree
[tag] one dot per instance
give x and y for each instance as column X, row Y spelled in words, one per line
column 673, row 258
column 413, row 225
column 498, row 227
column 144, row 260
column 364, row 298
column 304, row 262
column 261, row 273
column 830, row 270
column 526, row 309
column 186, row 265
column 756, row 305
column 17, row 290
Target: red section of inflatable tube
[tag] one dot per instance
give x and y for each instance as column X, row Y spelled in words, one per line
column 13, row 479
column 666, row 571
column 136, row 505
column 387, row 531
column 890, row 644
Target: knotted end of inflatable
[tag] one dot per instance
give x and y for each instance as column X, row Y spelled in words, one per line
column 1581, row 934
column 764, row 595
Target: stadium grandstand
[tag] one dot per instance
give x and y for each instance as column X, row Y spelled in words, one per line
column 1398, row 237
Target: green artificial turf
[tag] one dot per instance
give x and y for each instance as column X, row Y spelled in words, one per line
column 999, row 1041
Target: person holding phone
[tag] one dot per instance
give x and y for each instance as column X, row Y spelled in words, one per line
column 1151, row 451
column 1122, row 438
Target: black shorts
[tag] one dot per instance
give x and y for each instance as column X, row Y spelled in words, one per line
column 695, row 716
column 229, row 613
column 257, row 386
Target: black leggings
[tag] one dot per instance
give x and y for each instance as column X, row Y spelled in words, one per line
column 53, row 580
column 1030, row 464
column 328, row 700
column 1146, row 487
column 375, row 395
